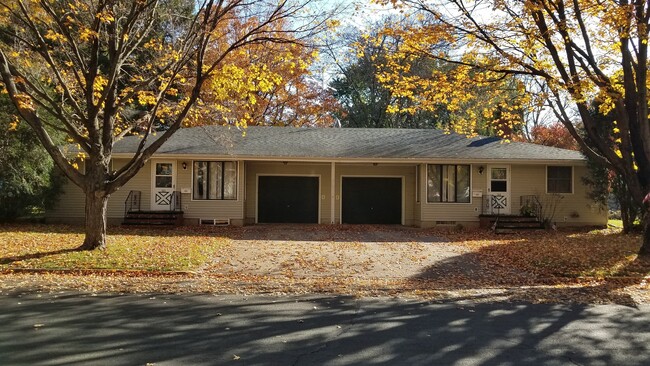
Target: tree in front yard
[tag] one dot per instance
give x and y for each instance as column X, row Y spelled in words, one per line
column 579, row 51
column 103, row 69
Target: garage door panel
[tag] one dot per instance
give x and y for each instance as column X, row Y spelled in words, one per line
column 370, row 200
column 283, row 199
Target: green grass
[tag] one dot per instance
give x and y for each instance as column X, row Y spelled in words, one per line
column 615, row 223
column 30, row 246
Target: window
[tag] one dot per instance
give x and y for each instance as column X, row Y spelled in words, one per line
column 215, row 180
column 448, row 183
column 558, row 179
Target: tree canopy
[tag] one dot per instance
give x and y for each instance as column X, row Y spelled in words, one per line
column 575, row 51
column 103, row 69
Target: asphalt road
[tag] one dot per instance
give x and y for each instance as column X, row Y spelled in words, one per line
column 83, row 329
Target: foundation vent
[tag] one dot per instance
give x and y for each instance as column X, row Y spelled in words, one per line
column 445, row 222
column 215, row 222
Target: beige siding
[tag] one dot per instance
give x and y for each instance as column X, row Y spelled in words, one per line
column 71, row 203
column 254, row 169
column 572, row 209
column 141, row 182
column 406, row 172
column 435, row 212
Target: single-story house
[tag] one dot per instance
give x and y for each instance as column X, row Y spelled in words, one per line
column 217, row 174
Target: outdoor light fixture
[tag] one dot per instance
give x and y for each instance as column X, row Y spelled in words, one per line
column 184, row 166
column 480, row 170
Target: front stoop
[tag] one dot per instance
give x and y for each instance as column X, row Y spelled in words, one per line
column 503, row 224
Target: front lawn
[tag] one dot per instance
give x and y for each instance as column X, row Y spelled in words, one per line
column 564, row 266
column 51, row 247
column 568, row 254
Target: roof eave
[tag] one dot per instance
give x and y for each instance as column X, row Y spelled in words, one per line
column 414, row 160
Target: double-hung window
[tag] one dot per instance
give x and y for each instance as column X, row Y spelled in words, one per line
column 214, row 180
column 448, row 183
column 559, row 179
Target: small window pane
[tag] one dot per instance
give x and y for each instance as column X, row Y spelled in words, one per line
column 499, row 173
column 499, row 186
column 230, row 180
column 215, row 180
column 462, row 180
column 163, row 182
column 434, row 183
column 163, row 169
column 451, row 183
column 200, row 180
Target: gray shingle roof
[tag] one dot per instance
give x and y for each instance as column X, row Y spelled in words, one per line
column 345, row 143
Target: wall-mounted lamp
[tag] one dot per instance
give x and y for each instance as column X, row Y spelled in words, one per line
column 184, row 165
column 285, row 162
column 374, row 164
column 480, row 170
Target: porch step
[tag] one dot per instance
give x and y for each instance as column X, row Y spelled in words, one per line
column 510, row 223
column 154, row 218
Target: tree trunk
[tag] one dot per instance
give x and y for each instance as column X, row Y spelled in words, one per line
column 625, row 217
column 645, row 247
column 96, row 204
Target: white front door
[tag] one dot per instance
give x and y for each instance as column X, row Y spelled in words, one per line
column 498, row 187
column 163, row 184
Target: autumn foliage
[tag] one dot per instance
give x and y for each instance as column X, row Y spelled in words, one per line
column 555, row 135
column 263, row 84
column 565, row 55
column 104, row 69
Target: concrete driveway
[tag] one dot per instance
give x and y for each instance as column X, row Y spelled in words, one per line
column 337, row 251
column 84, row 329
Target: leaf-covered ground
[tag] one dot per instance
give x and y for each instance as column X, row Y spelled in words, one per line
column 567, row 266
column 50, row 247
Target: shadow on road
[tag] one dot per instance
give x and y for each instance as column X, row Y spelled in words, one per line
column 106, row 330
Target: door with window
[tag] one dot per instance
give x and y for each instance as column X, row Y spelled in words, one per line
column 164, row 183
column 498, row 187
